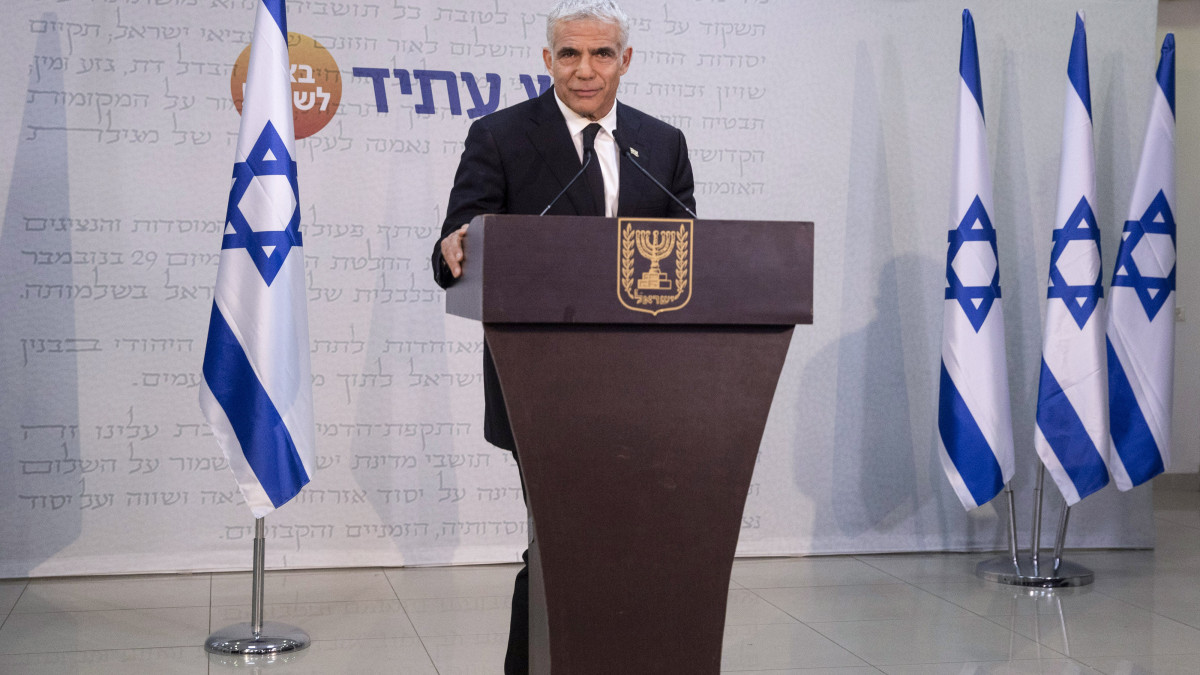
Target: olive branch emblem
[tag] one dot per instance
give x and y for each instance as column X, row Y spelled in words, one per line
column 654, row 246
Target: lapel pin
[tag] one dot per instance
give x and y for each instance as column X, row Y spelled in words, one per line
column 634, row 151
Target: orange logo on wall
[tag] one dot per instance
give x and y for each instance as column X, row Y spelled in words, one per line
column 316, row 83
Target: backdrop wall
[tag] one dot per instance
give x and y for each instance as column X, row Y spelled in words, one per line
column 116, row 145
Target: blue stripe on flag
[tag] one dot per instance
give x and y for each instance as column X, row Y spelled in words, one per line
column 966, row 445
column 1166, row 70
column 1077, row 66
column 1131, row 435
column 1067, row 437
column 968, row 60
column 260, row 430
column 276, row 7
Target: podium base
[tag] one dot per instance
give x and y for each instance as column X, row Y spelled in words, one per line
column 275, row 638
column 1002, row 571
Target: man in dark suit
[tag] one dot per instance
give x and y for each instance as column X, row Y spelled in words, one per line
column 518, row 159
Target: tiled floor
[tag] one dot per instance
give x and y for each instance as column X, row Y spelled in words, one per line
column 916, row 614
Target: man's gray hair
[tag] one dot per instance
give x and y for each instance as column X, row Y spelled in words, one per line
column 576, row 10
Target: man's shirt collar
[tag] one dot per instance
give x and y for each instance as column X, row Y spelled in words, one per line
column 576, row 122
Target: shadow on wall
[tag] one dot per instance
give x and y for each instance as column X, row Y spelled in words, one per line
column 872, row 472
column 874, row 475
column 410, row 484
column 42, row 490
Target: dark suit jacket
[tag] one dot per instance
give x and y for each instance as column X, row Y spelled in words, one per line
column 517, row 159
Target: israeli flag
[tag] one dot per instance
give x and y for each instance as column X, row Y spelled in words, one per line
column 257, row 387
column 1072, row 417
column 1141, row 319
column 974, row 417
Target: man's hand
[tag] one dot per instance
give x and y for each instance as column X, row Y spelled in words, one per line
column 453, row 250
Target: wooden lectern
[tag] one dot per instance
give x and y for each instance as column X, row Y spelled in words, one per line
column 638, row 360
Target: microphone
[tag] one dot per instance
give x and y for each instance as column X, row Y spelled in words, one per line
column 587, row 159
column 628, row 154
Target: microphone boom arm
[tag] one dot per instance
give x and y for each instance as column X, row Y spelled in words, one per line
column 586, row 161
column 629, row 155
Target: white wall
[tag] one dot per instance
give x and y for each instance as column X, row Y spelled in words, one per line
column 1182, row 17
column 116, row 140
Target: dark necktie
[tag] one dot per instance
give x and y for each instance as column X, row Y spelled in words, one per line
column 595, row 177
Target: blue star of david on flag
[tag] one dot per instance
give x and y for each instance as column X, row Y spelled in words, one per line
column 976, row 301
column 268, row 248
column 1081, row 301
column 1152, row 291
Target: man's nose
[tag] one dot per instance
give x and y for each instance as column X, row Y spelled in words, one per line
column 585, row 71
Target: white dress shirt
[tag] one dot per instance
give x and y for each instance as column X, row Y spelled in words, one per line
column 606, row 149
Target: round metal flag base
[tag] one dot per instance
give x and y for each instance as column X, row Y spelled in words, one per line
column 1001, row 571
column 275, row 638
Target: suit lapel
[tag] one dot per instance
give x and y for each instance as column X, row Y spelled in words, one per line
column 628, row 131
column 549, row 136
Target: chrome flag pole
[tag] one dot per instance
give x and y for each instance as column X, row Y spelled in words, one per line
column 257, row 637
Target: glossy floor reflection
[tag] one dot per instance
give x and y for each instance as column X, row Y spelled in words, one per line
column 917, row 614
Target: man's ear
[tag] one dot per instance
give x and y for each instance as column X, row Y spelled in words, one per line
column 626, row 59
column 546, row 57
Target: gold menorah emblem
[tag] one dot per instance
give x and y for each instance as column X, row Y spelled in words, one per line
column 655, row 246
column 655, row 252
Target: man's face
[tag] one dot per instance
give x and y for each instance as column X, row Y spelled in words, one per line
column 587, row 64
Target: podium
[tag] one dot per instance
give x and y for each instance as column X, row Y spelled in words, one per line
column 638, row 359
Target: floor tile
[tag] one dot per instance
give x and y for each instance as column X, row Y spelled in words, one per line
column 115, row 629
column 1132, row 631
column 459, row 616
column 857, row 603
column 851, row 670
column 10, row 591
column 780, row 646
column 746, row 608
column 920, row 640
column 991, row 599
column 1175, row 595
column 468, row 581
column 1172, row 664
column 107, row 593
column 366, row 619
column 334, row 657
column 793, row 572
column 1178, row 506
column 349, row 585
column 906, row 614
column 920, row 568
column 1178, row 517
column 1177, row 548
column 1028, row 667
column 468, row 654
column 162, row 661
column 1109, row 564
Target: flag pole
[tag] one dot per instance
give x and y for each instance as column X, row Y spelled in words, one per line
column 256, row 637
column 257, row 394
column 1060, row 539
column 996, row 569
column 1070, row 420
column 257, row 577
column 1025, row 569
column 1012, row 526
column 1035, row 544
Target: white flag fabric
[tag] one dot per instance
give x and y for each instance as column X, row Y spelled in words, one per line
column 974, row 414
column 1071, row 436
column 1141, row 315
column 257, row 387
